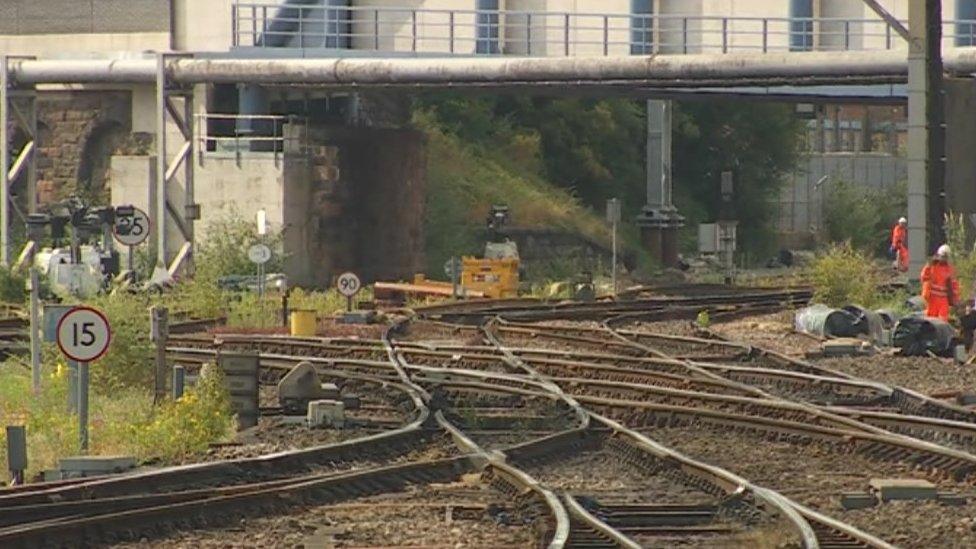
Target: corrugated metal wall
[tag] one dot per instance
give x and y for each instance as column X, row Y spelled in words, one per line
column 83, row 16
column 800, row 204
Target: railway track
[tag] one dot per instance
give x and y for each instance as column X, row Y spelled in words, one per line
column 568, row 425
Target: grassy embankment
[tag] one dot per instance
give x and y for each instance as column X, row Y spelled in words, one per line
column 123, row 419
column 465, row 179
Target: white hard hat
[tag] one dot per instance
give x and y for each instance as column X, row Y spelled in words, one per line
column 902, row 220
column 943, row 251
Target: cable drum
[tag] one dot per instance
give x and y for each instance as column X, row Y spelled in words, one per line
column 824, row 321
column 919, row 336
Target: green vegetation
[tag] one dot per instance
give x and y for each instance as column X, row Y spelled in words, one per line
column 863, row 215
column 959, row 237
column 465, row 179
column 759, row 143
column 844, row 275
column 122, row 421
column 557, row 161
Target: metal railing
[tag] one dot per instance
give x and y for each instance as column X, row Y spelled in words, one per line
column 541, row 33
column 241, row 133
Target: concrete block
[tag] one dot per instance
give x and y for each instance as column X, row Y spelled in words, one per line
column 954, row 500
column 888, row 489
column 358, row 317
column 326, row 413
column 846, row 347
column 87, row 466
column 857, row 501
column 330, row 391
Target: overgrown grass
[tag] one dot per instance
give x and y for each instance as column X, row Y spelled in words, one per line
column 123, row 420
column 959, row 236
column 464, row 180
column 843, row 275
column 249, row 311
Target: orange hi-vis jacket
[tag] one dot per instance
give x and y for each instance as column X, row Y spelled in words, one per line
column 899, row 236
column 939, row 283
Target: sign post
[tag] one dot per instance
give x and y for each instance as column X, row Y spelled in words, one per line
column 84, row 335
column 349, row 285
column 33, row 286
column 259, row 254
column 613, row 218
column 158, row 335
column 131, row 228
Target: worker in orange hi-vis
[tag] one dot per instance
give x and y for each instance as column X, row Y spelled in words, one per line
column 940, row 287
column 899, row 245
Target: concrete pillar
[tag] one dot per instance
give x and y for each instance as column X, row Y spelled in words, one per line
column 659, row 220
column 960, row 169
column 926, row 197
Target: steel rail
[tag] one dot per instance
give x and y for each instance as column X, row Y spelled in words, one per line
column 889, row 446
column 777, row 501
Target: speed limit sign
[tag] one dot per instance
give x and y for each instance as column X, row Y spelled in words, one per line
column 84, row 334
column 131, row 225
column 348, row 284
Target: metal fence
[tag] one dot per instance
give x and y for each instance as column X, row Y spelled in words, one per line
column 542, row 33
column 241, row 133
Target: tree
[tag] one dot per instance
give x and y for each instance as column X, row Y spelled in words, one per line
column 759, row 143
column 596, row 149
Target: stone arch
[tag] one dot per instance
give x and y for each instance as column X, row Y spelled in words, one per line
column 105, row 137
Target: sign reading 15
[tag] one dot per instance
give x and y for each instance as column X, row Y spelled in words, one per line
column 84, row 334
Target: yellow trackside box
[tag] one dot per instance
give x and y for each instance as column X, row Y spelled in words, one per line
column 495, row 278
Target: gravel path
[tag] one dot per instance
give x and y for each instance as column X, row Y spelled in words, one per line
column 925, row 375
column 463, row 514
column 772, row 331
column 817, row 476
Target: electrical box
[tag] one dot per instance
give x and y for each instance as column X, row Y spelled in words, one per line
column 16, row 448
column 714, row 238
column 708, row 238
column 327, row 413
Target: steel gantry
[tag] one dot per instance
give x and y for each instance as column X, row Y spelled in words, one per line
column 21, row 102
column 174, row 103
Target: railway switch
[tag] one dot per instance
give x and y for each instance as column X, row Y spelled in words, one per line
column 327, row 413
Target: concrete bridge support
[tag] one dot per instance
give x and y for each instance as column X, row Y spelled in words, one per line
column 659, row 219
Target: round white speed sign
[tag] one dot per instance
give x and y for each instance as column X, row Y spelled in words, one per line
column 259, row 254
column 131, row 226
column 348, row 284
column 84, row 334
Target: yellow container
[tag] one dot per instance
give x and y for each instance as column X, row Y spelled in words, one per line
column 303, row 323
column 496, row 278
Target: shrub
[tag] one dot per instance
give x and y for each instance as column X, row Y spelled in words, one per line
column 12, row 286
column 130, row 358
column 843, row 276
column 181, row 428
column 122, row 420
column 959, row 237
column 863, row 215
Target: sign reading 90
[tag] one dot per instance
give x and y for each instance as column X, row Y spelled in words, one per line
column 348, row 284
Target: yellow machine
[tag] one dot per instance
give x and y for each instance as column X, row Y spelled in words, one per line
column 495, row 278
column 497, row 274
